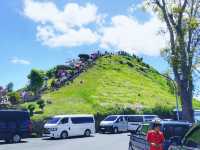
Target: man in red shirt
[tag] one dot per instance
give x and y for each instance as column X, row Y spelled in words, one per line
column 155, row 137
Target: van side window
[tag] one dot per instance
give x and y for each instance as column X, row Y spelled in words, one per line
column 64, row 121
column 149, row 118
column 135, row 119
column 80, row 120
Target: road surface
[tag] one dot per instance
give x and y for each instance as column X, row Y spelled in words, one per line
column 97, row 142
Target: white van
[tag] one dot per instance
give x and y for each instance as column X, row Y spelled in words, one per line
column 63, row 126
column 114, row 124
column 124, row 123
column 135, row 120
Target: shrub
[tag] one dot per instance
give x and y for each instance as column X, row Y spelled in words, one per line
column 31, row 109
column 41, row 104
column 160, row 110
column 130, row 64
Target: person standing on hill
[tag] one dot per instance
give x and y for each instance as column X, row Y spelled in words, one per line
column 155, row 137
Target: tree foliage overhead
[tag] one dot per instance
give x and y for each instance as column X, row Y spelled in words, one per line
column 36, row 78
column 182, row 18
column 9, row 87
column 14, row 98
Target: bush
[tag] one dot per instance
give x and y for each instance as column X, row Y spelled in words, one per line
column 31, row 109
column 41, row 104
column 130, row 64
column 163, row 111
column 14, row 98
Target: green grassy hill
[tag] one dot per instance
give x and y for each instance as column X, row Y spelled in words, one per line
column 113, row 83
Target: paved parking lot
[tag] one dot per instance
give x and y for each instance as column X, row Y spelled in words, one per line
column 97, row 142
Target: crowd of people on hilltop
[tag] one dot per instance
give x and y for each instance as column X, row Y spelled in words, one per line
column 72, row 69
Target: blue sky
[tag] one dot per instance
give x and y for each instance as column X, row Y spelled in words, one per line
column 43, row 33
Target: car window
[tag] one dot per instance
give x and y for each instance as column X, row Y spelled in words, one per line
column 193, row 139
column 64, row 121
column 144, row 129
column 175, row 130
column 120, row 119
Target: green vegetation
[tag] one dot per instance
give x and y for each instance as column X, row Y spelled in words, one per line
column 36, row 78
column 14, row 98
column 115, row 84
column 31, row 108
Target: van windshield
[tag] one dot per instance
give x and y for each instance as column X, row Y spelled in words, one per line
column 53, row 120
column 111, row 118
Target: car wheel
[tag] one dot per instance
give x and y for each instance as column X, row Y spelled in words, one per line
column 16, row 138
column 115, row 130
column 64, row 135
column 87, row 133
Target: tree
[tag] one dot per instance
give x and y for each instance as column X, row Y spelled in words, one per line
column 9, row 87
column 36, row 78
column 41, row 104
column 14, row 98
column 84, row 57
column 182, row 21
column 31, row 108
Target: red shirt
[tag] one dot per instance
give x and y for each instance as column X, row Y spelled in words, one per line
column 155, row 139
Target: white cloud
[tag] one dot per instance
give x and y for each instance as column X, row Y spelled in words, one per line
column 126, row 33
column 77, row 25
column 67, row 27
column 16, row 60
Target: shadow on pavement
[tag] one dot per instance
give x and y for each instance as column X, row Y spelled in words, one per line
column 5, row 143
column 69, row 138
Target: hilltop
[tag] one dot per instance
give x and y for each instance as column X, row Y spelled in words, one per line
column 115, row 83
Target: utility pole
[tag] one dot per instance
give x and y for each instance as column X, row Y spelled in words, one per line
column 175, row 93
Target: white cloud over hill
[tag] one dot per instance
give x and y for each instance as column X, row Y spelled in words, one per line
column 78, row 25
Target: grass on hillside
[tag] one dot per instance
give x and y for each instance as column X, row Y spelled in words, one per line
column 114, row 81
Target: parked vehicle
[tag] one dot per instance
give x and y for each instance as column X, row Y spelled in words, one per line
column 191, row 140
column 14, row 125
column 173, row 131
column 123, row 123
column 135, row 120
column 114, row 124
column 63, row 126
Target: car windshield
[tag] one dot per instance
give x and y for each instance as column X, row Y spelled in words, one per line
column 194, row 137
column 53, row 120
column 111, row 118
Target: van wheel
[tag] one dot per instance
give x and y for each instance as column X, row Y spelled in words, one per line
column 87, row 133
column 115, row 130
column 64, row 135
column 8, row 141
column 16, row 138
